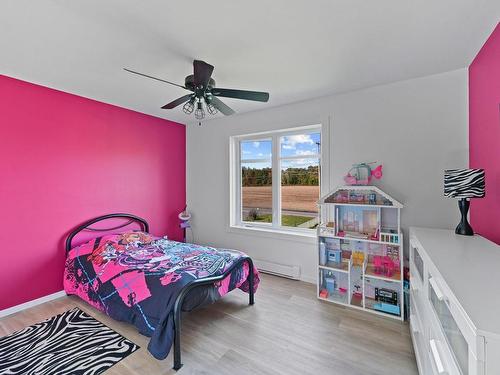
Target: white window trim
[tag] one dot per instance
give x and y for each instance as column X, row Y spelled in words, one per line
column 236, row 225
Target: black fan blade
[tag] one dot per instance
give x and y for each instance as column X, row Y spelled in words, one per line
column 177, row 102
column 257, row 96
column 202, row 73
column 223, row 108
column 158, row 79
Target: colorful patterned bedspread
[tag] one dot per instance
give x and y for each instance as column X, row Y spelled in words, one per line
column 136, row 277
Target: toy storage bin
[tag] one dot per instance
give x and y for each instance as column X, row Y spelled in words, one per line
column 383, row 296
column 339, row 293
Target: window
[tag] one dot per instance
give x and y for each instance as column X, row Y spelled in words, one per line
column 276, row 179
column 256, row 181
column 299, row 164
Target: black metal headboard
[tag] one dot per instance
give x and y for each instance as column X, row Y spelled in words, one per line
column 86, row 226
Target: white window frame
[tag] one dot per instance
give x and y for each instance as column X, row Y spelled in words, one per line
column 276, row 159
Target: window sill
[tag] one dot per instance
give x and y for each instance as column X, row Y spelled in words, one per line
column 282, row 234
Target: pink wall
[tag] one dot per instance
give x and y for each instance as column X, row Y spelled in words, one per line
column 484, row 134
column 65, row 159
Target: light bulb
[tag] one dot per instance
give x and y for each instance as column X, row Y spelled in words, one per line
column 188, row 108
column 211, row 109
column 199, row 113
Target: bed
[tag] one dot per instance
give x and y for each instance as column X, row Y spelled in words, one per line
column 115, row 264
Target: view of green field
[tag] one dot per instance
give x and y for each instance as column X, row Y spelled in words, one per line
column 298, row 169
column 286, row 220
column 298, row 204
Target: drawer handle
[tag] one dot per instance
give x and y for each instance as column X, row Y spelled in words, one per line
column 439, row 294
column 437, row 357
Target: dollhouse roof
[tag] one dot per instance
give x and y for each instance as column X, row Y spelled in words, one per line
column 337, row 196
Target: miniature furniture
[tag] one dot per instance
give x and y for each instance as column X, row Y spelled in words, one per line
column 360, row 225
column 454, row 320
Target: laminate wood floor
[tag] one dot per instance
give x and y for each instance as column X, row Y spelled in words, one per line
column 287, row 331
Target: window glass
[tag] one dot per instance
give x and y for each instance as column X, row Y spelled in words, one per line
column 299, row 193
column 300, row 145
column 259, row 149
column 300, row 157
column 256, row 181
column 298, row 184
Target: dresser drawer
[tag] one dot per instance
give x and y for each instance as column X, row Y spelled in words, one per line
column 441, row 357
column 420, row 347
column 434, row 357
column 419, row 334
column 452, row 336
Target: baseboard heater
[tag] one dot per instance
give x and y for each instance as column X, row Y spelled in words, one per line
column 291, row 272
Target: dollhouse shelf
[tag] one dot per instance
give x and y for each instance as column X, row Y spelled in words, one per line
column 336, row 298
column 360, row 250
column 339, row 267
column 326, row 235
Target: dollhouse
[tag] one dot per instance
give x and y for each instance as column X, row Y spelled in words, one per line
column 360, row 250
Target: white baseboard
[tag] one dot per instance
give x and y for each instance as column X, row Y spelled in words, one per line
column 27, row 305
column 309, row 279
column 291, row 272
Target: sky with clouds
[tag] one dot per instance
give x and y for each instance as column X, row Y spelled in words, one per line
column 292, row 145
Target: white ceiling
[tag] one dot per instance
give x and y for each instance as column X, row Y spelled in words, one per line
column 294, row 49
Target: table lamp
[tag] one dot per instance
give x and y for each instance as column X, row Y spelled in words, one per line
column 464, row 184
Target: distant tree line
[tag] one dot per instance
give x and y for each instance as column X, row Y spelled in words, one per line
column 289, row 176
column 300, row 176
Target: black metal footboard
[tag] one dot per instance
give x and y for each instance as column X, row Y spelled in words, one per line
column 207, row 281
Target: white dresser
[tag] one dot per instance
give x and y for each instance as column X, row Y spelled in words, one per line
column 454, row 303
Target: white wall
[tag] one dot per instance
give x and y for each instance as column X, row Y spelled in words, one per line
column 416, row 128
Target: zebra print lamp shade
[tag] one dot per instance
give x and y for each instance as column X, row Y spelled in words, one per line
column 464, row 183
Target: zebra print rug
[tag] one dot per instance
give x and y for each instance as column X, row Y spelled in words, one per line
column 69, row 343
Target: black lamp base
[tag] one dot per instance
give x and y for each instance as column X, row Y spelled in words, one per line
column 464, row 227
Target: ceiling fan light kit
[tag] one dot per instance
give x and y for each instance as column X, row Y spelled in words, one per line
column 199, row 114
column 188, row 107
column 211, row 109
column 203, row 89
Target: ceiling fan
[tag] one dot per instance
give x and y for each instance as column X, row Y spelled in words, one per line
column 203, row 90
